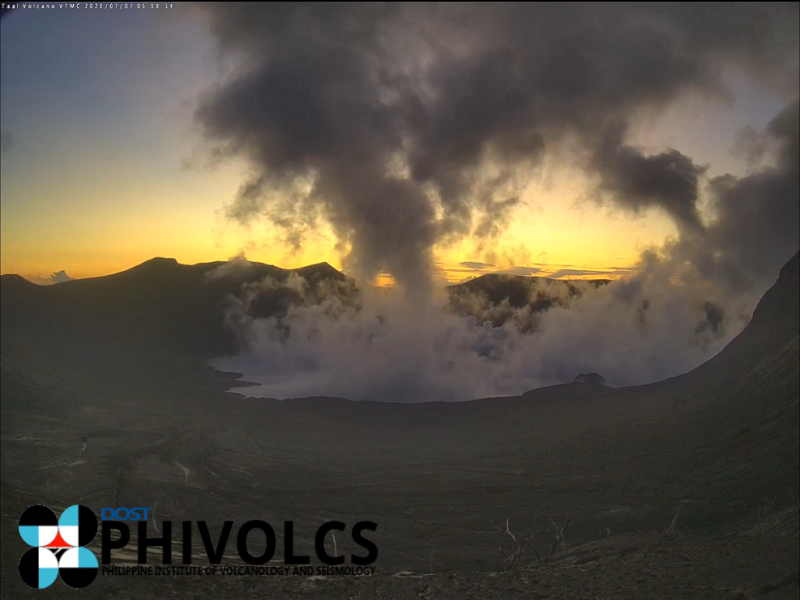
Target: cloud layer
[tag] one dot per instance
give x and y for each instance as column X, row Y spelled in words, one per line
column 386, row 349
column 412, row 126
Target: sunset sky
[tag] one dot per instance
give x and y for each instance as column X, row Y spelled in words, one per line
column 104, row 166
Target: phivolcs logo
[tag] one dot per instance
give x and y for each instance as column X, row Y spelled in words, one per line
column 58, row 546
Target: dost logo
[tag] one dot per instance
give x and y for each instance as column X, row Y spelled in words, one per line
column 58, row 546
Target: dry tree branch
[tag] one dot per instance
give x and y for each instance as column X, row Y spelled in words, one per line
column 559, row 537
column 671, row 528
column 506, row 530
column 512, row 560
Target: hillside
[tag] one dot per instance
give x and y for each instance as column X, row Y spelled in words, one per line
column 157, row 306
column 498, row 297
column 165, row 307
column 685, row 488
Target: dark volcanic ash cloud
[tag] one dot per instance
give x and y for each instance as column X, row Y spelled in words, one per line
column 754, row 227
column 408, row 126
column 668, row 180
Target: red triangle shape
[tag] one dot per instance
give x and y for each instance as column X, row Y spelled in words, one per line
column 58, row 542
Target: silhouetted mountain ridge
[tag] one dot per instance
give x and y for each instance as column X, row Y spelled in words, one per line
column 498, row 297
column 164, row 306
column 516, row 289
column 159, row 305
